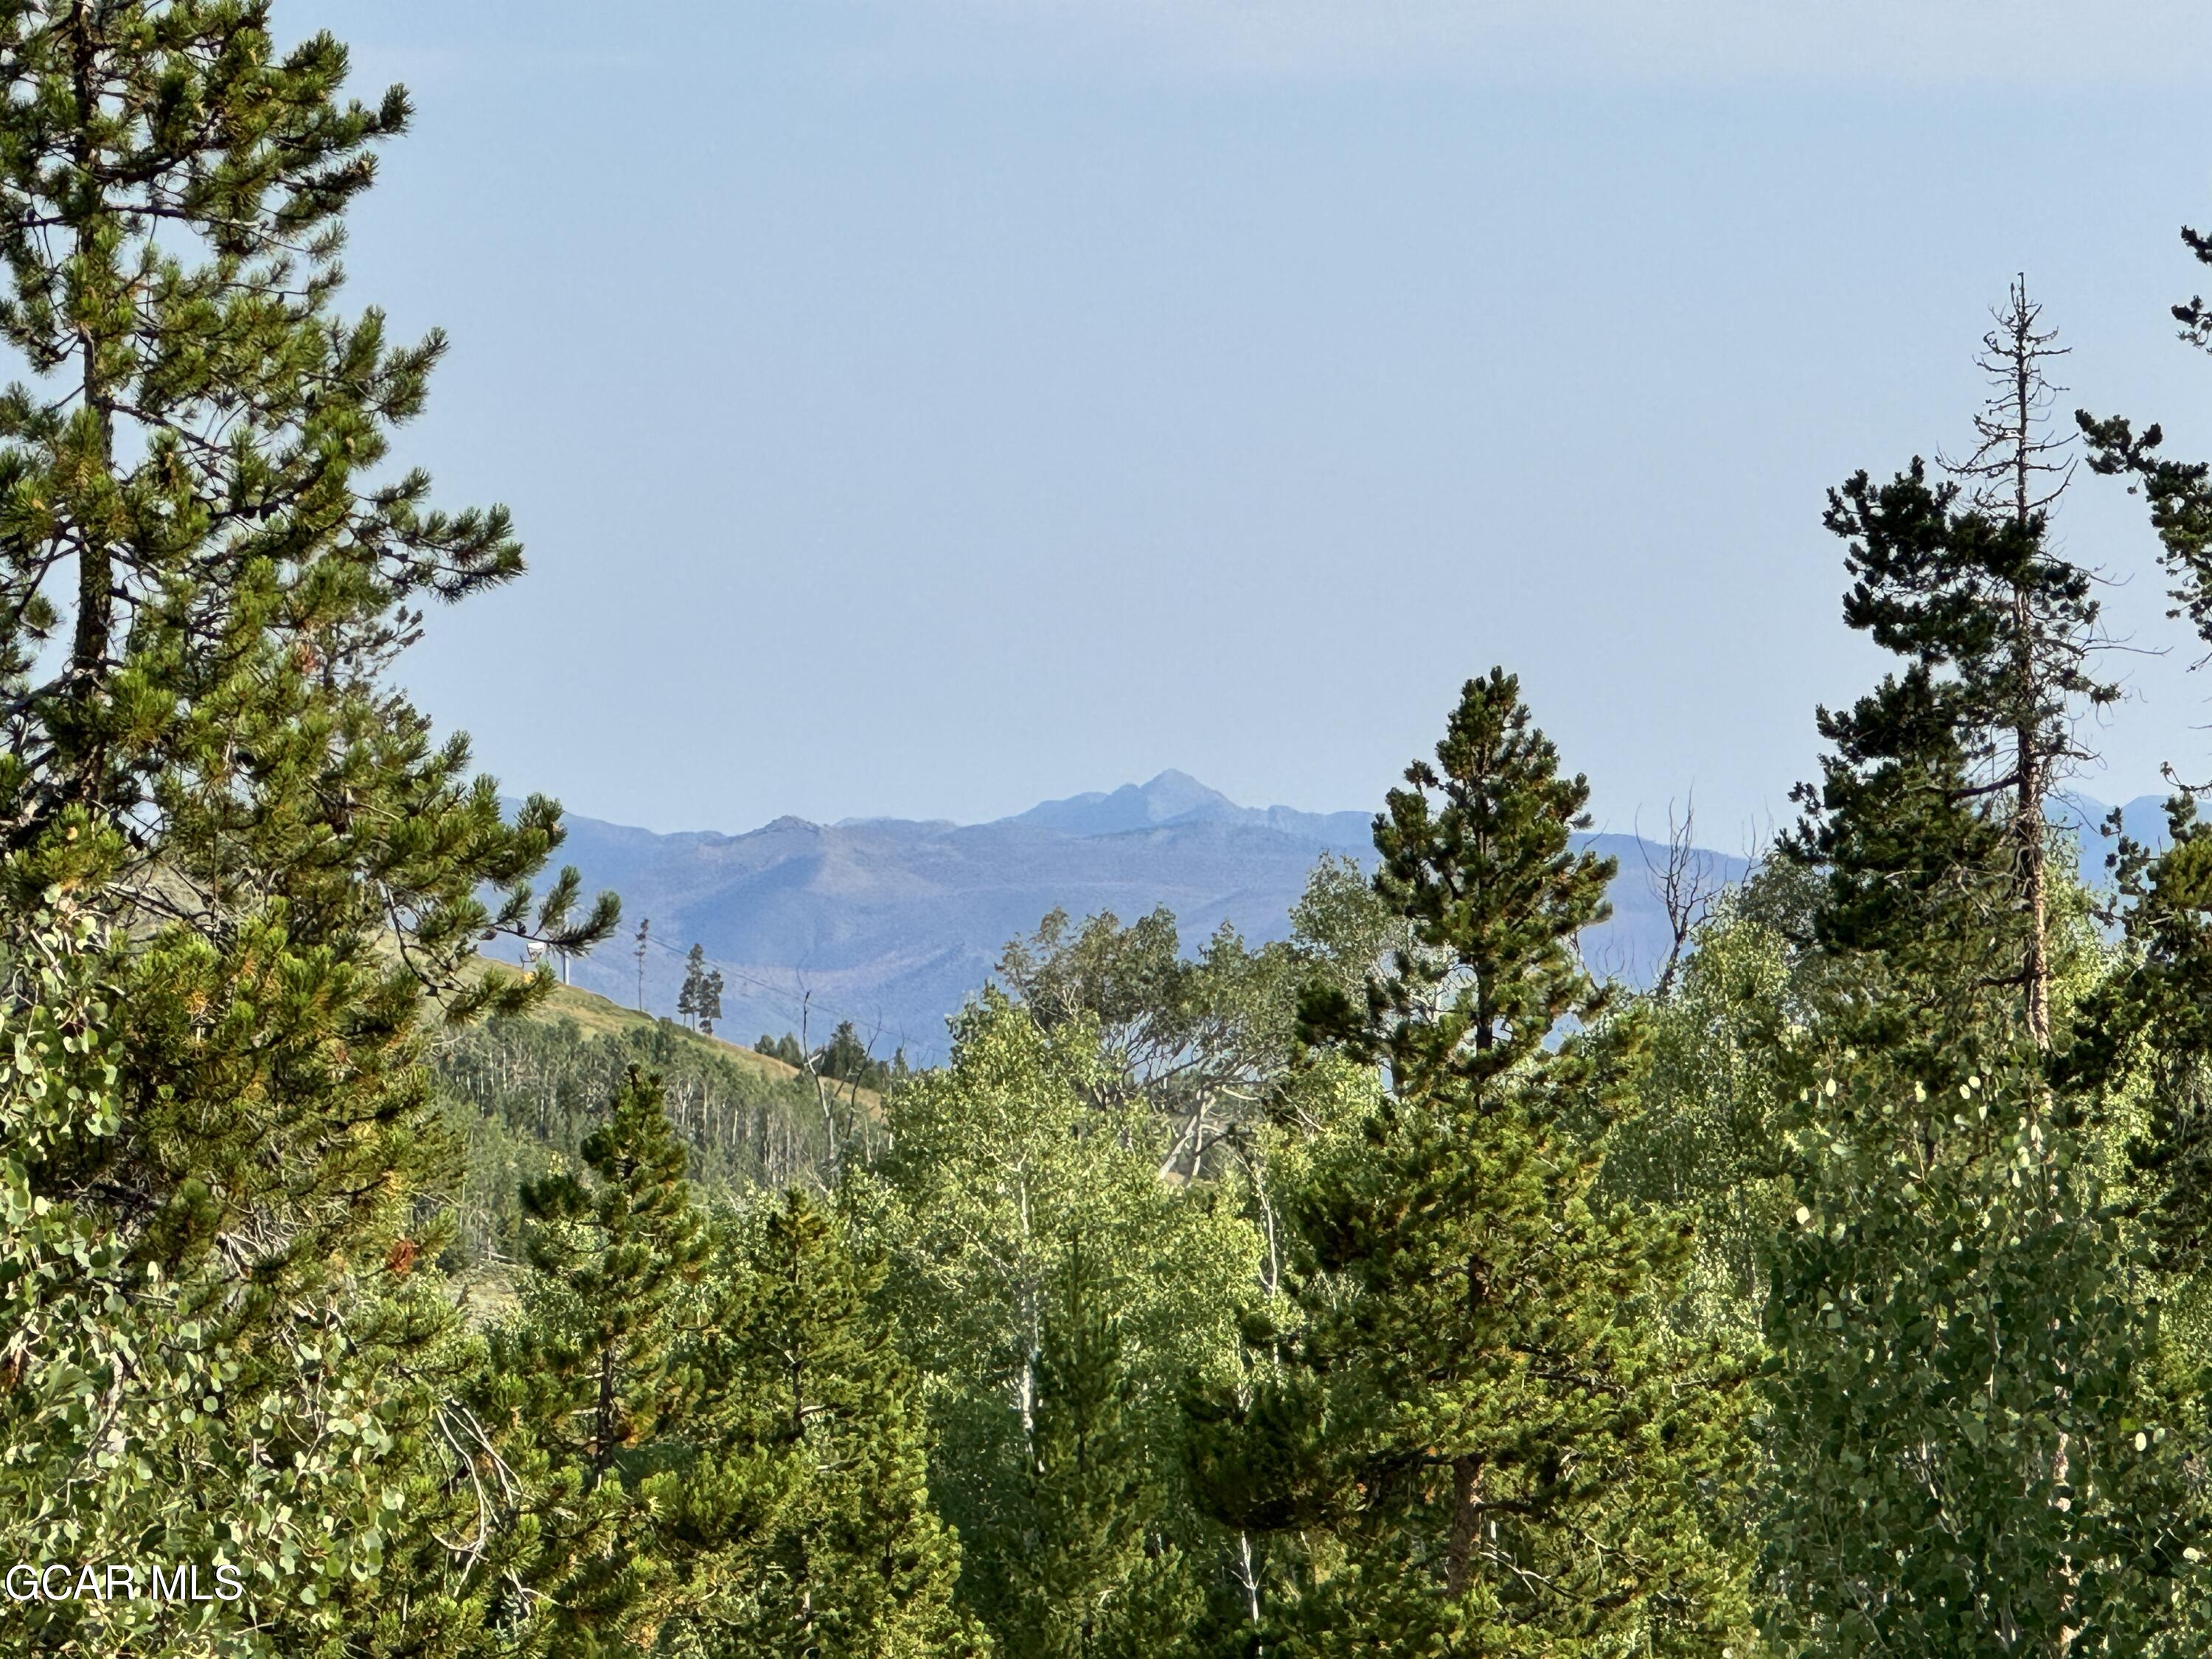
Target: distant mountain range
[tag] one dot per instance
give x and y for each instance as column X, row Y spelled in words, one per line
column 893, row 923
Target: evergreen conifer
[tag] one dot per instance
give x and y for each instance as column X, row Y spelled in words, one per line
column 1480, row 1406
column 691, row 998
column 857, row 1564
column 207, row 560
column 1968, row 1425
column 589, row 1372
column 1082, row 1577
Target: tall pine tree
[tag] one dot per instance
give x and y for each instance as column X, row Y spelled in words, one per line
column 2154, row 1014
column 1971, row 1446
column 1481, row 1406
column 206, row 561
column 1081, row 1571
column 1944, row 772
column 589, row 1372
column 857, row 1564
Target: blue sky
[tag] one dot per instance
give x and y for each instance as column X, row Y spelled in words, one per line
column 928, row 407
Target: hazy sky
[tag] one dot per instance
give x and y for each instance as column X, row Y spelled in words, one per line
column 929, row 406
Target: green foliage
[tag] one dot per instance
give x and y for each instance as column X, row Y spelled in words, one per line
column 856, row 1563
column 1935, row 796
column 845, row 1059
column 714, row 1441
column 1086, row 1579
column 1706, row 1135
column 1477, row 1402
column 786, row 1049
column 608, row 1260
column 1389, row 1290
column 208, row 565
column 587, row 1371
column 2148, row 1020
column 2177, row 493
column 1038, row 1248
column 1964, row 1415
column 144, row 1420
column 701, row 998
column 1975, row 1444
column 1204, row 1046
column 528, row 1090
column 1492, row 893
column 1200, row 1040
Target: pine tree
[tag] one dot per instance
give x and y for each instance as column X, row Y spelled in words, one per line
column 609, row 1258
column 694, row 975
column 332, row 1507
column 2178, row 492
column 2048, row 622
column 2152, row 1015
column 700, row 1000
column 1479, row 1406
column 2147, row 1028
column 208, row 743
column 1973, row 1447
column 1964, row 581
column 207, row 563
column 845, row 1057
column 857, row 1565
column 1081, row 1569
column 589, row 1373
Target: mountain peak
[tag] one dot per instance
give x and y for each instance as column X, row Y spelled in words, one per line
column 1175, row 798
column 1169, row 795
column 1174, row 794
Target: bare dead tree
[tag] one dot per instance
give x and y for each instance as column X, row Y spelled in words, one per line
column 821, row 1097
column 841, row 1118
column 2019, row 468
column 1686, row 881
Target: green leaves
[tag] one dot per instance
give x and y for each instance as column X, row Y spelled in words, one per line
column 136, row 1422
column 207, row 557
column 1058, row 1295
column 1473, row 1406
column 1493, row 894
column 1961, row 1391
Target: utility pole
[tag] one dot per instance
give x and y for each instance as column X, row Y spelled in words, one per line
column 644, row 926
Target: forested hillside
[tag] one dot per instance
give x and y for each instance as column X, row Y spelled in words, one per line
column 1400, row 1283
column 528, row 1090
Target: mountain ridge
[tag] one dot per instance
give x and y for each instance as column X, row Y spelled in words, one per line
column 894, row 923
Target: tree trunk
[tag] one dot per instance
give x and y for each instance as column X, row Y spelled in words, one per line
column 1467, row 1522
column 95, row 574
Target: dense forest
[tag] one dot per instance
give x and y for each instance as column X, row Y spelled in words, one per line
column 1397, row 1289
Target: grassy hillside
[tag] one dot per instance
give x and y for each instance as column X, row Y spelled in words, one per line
column 597, row 1016
column 526, row 1092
